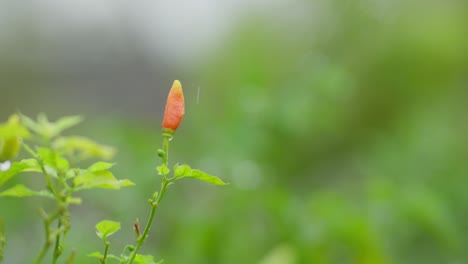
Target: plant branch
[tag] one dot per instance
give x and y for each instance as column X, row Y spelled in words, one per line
column 48, row 230
column 106, row 251
column 57, row 247
column 155, row 201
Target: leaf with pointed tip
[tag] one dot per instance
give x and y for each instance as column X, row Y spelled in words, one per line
column 106, row 228
column 31, row 165
column 17, row 167
column 100, row 166
column 202, row 176
column 99, row 179
column 66, row 123
column 22, row 191
column 31, row 124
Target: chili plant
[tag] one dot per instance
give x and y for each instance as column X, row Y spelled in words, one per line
column 58, row 159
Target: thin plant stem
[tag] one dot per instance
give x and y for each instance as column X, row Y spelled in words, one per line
column 106, row 250
column 57, row 249
column 62, row 229
column 154, row 202
column 47, row 221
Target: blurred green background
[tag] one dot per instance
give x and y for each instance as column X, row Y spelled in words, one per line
column 341, row 125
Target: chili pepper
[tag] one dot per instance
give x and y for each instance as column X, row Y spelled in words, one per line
column 175, row 108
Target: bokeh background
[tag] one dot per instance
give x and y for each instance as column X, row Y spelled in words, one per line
column 341, row 125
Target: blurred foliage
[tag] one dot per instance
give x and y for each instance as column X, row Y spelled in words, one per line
column 342, row 133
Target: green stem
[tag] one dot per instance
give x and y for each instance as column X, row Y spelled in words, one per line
column 155, row 201
column 106, row 250
column 47, row 221
column 57, row 248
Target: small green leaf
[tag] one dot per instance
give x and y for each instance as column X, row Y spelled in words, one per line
column 16, row 167
column 182, row 170
column 22, row 191
column 53, row 159
column 106, row 228
column 163, row 170
column 144, row 259
column 100, row 166
column 31, row 124
column 99, row 179
column 66, row 123
column 95, row 255
column 31, row 165
column 202, row 176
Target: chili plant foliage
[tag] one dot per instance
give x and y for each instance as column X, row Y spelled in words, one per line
column 58, row 157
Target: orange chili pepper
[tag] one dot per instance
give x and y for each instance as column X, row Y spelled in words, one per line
column 175, row 107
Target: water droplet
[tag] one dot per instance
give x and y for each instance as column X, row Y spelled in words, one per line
column 5, row 165
column 170, row 139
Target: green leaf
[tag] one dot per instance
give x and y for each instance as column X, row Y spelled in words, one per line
column 12, row 171
column 67, row 122
column 106, row 228
column 144, row 259
column 17, row 167
column 182, row 170
column 22, row 191
column 163, row 170
column 31, row 124
column 31, row 165
column 53, row 159
column 202, row 176
column 99, row 179
column 100, row 166
column 83, row 148
column 95, row 255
